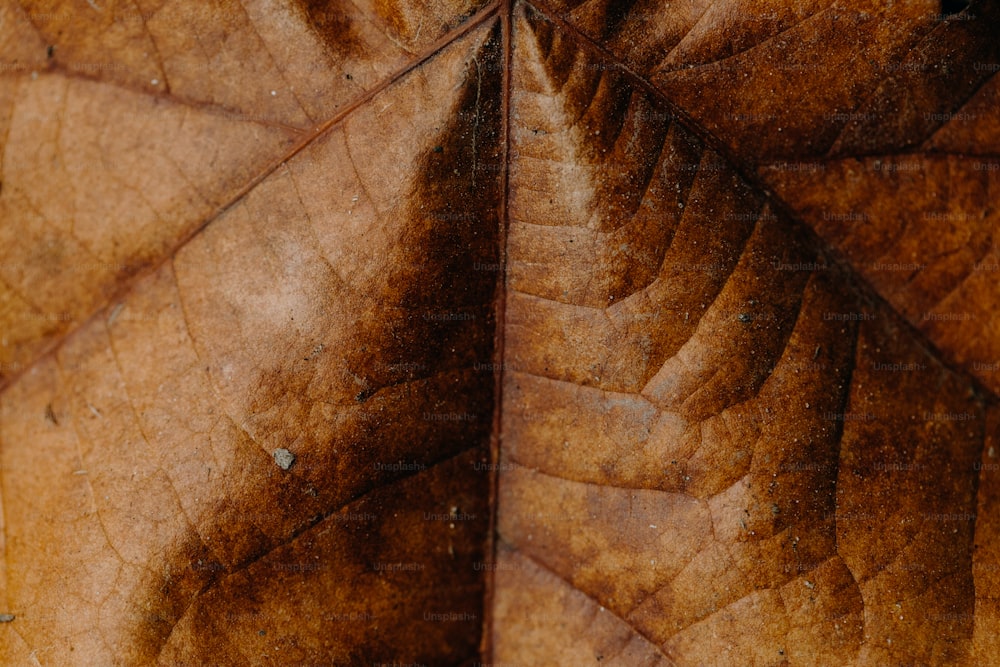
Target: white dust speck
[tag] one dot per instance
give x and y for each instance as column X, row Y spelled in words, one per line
column 283, row 458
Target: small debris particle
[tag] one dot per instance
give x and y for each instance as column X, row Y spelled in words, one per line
column 744, row 317
column 262, row 632
column 439, row 149
column 114, row 313
column 6, row 618
column 283, row 458
column 155, row 82
column 50, row 416
column 348, row 77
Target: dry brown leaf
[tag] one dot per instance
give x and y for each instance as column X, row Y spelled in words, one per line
column 147, row 518
column 636, row 333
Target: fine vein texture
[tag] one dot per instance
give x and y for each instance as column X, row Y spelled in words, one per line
column 333, row 312
column 717, row 441
column 126, row 128
column 876, row 121
column 456, row 332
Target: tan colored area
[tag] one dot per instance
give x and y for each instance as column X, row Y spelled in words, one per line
column 146, row 520
column 449, row 333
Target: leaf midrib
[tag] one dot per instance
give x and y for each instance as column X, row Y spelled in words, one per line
column 503, row 10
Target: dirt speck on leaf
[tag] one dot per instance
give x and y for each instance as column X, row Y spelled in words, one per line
column 283, row 458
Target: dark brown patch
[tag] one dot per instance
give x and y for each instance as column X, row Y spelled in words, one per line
column 336, row 26
column 415, row 406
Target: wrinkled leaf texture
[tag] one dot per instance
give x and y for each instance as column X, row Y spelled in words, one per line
column 618, row 333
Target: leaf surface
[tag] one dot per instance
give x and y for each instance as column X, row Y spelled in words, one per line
column 547, row 333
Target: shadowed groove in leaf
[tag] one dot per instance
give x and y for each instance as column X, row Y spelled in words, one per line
column 952, row 7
